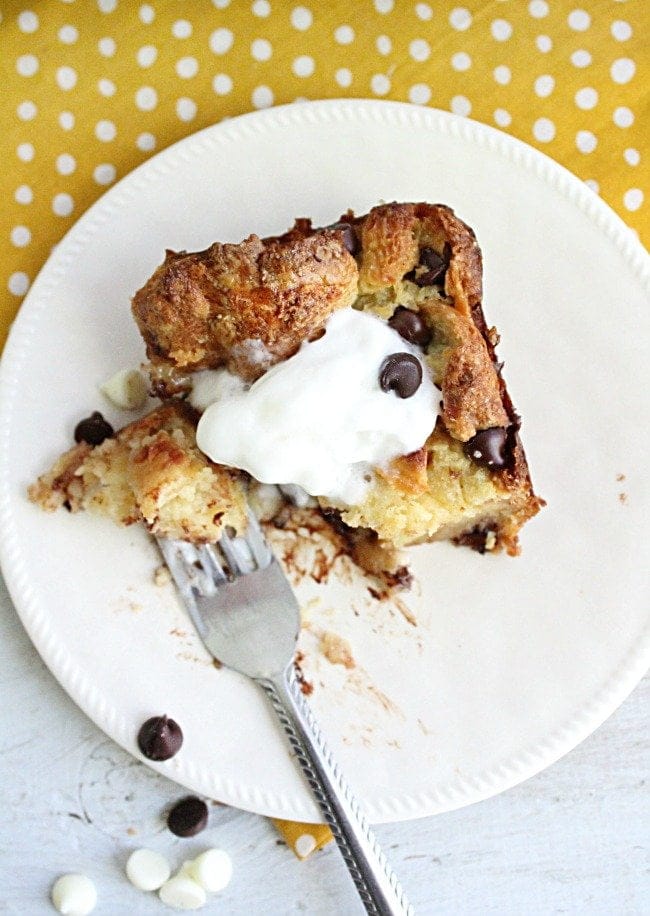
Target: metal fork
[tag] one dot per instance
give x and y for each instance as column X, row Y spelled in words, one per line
column 248, row 617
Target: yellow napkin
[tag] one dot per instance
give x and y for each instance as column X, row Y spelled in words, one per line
column 91, row 89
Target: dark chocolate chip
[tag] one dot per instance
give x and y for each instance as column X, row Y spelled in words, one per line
column 188, row 816
column 410, row 326
column 349, row 237
column 488, row 448
column 93, row 430
column 160, row 738
column 401, row 373
column 432, row 268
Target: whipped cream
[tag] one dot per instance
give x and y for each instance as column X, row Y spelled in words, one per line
column 320, row 419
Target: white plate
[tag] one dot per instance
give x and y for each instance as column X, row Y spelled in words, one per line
column 513, row 661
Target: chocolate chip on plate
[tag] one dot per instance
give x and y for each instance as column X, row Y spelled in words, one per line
column 431, row 269
column 410, row 326
column 188, row 816
column 488, row 448
column 160, row 738
column 401, row 373
column 93, row 429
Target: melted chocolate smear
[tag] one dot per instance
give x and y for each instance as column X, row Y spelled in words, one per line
column 488, row 448
column 93, row 429
column 401, row 373
column 188, row 817
column 160, row 738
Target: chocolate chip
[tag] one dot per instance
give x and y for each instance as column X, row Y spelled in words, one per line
column 431, row 269
column 160, row 738
column 410, row 326
column 401, row 373
column 188, row 817
column 93, row 430
column 488, row 448
column 349, row 236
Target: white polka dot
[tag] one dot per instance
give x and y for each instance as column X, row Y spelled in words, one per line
column 24, row 194
column 419, row 49
column 221, row 4
column 461, row 105
column 146, row 98
column 461, row 61
column 182, row 28
column 544, row 43
column 621, row 31
column 107, row 88
column 18, row 285
column 581, row 58
column 538, row 9
column 68, row 34
column 261, row 8
column 66, row 120
column 146, row 56
column 301, row 18
column 27, row 65
column 146, row 14
column 303, row 65
column 501, row 29
column 262, row 97
column 20, row 236
column 593, row 185
column 383, row 44
column 65, row 164
column 221, row 41
column 460, row 18
column 62, row 204
column 632, row 156
column 187, row 67
column 261, row 49
column 502, row 117
column 305, row 844
column 419, row 94
column 622, row 70
column 623, row 116
column 579, row 20
column 344, row 35
column 146, row 142
column 384, row 6
column 222, row 84
column 586, row 98
column 25, row 152
column 502, row 75
column 380, row 84
column 632, row 199
column 543, row 130
column 27, row 21
column 544, row 85
column 105, row 131
column 26, row 111
column 66, row 78
column 104, row 173
column 186, row 109
column 586, row 141
column 343, row 77
column 106, row 47
column 106, row 6
column 423, row 11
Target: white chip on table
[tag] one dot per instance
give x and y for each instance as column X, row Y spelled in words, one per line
column 211, row 869
column 126, row 389
column 147, row 870
column 182, row 893
column 74, row 895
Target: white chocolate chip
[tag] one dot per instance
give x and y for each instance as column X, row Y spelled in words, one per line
column 182, row 893
column 147, row 870
column 74, row 895
column 212, row 870
column 126, row 389
column 490, row 540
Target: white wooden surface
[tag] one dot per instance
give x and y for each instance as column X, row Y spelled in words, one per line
column 575, row 839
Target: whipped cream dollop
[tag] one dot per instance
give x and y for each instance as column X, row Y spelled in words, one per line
column 320, row 419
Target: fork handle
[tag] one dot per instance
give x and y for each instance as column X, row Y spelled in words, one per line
column 376, row 882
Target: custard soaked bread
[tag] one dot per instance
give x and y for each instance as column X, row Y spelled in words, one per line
column 255, row 310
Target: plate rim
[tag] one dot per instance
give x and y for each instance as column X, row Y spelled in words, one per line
column 390, row 806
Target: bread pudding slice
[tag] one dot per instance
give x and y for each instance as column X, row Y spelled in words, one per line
column 151, row 471
column 416, row 266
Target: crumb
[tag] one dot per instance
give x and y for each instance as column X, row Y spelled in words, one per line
column 490, row 540
column 135, row 607
column 131, row 831
column 162, row 576
column 217, row 664
column 620, row 477
column 622, row 498
column 336, row 649
column 177, row 632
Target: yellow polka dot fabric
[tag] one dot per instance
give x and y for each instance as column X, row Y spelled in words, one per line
column 91, row 89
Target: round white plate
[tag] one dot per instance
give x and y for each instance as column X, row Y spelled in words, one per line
column 512, row 661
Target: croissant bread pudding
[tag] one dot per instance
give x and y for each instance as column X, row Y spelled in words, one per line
column 351, row 365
